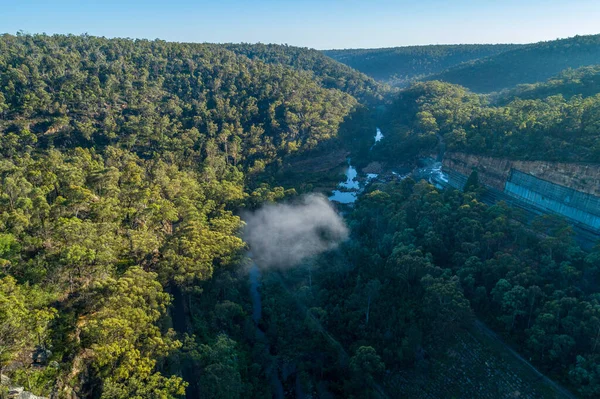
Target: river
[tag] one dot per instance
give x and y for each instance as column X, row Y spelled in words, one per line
column 351, row 187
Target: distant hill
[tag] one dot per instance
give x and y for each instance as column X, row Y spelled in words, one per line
column 331, row 74
column 584, row 81
column 528, row 64
column 399, row 66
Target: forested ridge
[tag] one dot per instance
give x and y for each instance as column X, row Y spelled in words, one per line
column 531, row 282
column 329, row 73
column 480, row 68
column 584, row 81
column 399, row 66
column 526, row 64
column 156, row 96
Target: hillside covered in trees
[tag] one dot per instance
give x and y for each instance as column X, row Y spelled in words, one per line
column 124, row 164
column 526, row 64
column 554, row 128
column 399, row 66
column 328, row 73
column 584, row 81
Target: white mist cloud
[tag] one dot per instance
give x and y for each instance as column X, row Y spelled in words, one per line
column 282, row 235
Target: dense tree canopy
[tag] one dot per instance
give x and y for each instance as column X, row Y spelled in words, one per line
column 551, row 128
column 329, row 73
column 398, row 66
column 526, row 64
column 423, row 261
column 193, row 102
column 584, row 81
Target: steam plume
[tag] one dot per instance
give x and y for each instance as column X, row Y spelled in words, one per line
column 282, row 235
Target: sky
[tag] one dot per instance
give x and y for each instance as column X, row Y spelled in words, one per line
column 321, row 24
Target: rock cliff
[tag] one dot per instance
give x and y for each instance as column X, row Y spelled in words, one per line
column 494, row 172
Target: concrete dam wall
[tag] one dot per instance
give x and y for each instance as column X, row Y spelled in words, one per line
column 575, row 205
column 569, row 190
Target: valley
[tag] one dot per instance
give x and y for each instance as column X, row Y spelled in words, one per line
column 261, row 220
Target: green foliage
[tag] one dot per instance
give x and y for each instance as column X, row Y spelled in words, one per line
column 192, row 103
column 24, row 319
column 424, row 111
column 537, row 285
column 366, row 363
column 420, row 265
column 551, row 129
column 192, row 253
column 124, row 166
column 216, row 369
column 8, row 249
column 381, row 297
column 329, row 73
column 398, row 66
column 525, row 64
column 584, row 81
column 472, row 183
column 124, row 340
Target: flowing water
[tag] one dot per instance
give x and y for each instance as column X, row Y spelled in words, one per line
column 378, row 137
column 350, row 183
column 350, row 188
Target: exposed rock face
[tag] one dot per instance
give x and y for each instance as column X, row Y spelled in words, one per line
column 16, row 392
column 28, row 395
column 373, row 167
column 495, row 172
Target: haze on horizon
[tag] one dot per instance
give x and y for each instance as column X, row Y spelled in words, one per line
column 324, row 24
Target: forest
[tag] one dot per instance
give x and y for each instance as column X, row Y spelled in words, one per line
column 399, row 66
column 327, row 72
column 129, row 167
column 568, row 83
column 423, row 264
column 527, row 64
column 560, row 127
column 480, row 68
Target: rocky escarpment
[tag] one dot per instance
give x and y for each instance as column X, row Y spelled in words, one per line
column 494, row 172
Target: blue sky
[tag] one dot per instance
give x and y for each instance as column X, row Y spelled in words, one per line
column 311, row 23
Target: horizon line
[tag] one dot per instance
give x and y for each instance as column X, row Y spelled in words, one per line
column 24, row 33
